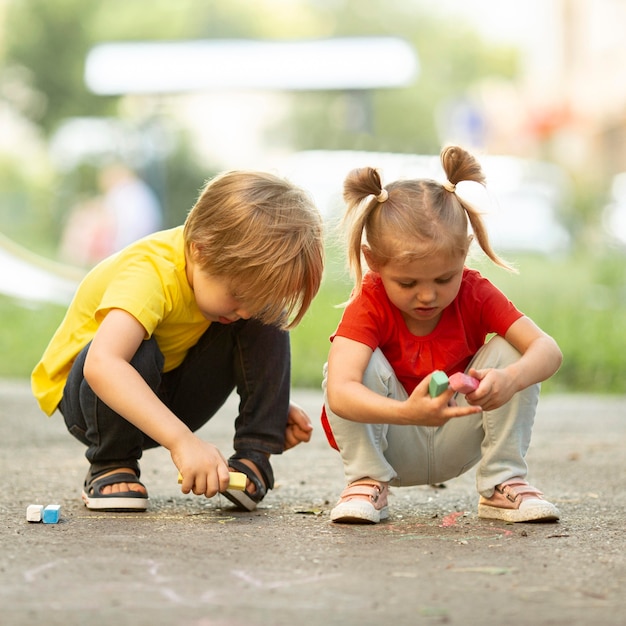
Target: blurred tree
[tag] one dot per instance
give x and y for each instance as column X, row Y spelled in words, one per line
column 50, row 40
column 452, row 58
column 45, row 47
column 46, row 44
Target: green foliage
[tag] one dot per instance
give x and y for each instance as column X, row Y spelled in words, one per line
column 181, row 177
column 25, row 331
column 47, row 44
column 580, row 301
column 51, row 40
column 25, row 214
column 310, row 340
column 401, row 120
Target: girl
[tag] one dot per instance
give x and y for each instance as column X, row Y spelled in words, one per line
column 419, row 309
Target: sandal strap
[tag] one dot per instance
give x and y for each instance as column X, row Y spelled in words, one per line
column 262, row 464
column 251, row 475
column 97, row 469
column 97, row 484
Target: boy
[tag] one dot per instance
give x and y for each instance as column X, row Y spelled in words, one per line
column 159, row 334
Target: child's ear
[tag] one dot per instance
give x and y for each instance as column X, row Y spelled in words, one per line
column 369, row 258
column 193, row 251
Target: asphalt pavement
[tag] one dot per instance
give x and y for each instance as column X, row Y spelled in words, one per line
column 189, row 561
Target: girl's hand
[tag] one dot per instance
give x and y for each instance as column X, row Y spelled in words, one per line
column 202, row 466
column 423, row 410
column 540, row 358
column 495, row 389
column 299, row 427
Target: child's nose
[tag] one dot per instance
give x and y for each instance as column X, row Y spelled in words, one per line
column 426, row 294
column 243, row 314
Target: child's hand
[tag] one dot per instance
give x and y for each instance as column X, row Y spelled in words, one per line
column 495, row 389
column 204, row 469
column 299, row 427
column 423, row 410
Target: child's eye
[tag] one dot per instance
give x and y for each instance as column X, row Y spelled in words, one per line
column 443, row 281
column 408, row 285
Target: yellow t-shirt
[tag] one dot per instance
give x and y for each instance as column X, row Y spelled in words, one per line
column 148, row 280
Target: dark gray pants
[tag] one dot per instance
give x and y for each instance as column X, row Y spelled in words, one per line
column 247, row 356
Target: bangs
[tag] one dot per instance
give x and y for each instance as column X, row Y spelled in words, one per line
column 408, row 251
column 280, row 294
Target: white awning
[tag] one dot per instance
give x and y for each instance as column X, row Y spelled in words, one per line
column 187, row 66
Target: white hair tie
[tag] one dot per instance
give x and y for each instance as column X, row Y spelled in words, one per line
column 382, row 196
column 451, row 187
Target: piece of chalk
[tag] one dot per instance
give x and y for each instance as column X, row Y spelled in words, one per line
column 34, row 512
column 462, row 383
column 51, row 514
column 438, row 383
column 237, row 480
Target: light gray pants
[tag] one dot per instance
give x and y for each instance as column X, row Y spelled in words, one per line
column 421, row 455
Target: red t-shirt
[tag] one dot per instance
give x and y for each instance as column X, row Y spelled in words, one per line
column 478, row 310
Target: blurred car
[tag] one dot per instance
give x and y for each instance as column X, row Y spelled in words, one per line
column 521, row 202
column 614, row 214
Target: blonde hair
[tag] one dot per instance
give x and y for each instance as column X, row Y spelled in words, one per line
column 410, row 219
column 266, row 236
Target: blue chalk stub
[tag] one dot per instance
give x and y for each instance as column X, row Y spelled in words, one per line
column 438, row 383
column 51, row 514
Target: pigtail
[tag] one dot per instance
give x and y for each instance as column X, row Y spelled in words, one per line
column 459, row 165
column 358, row 185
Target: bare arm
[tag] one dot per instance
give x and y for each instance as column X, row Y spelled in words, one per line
column 541, row 358
column 116, row 382
column 350, row 399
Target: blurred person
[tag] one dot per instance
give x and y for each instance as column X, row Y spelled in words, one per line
column 159, row 334
column 87, row 234
column 126, row 210
column 416, row 310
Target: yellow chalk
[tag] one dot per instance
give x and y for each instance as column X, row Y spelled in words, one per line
column 237, row 480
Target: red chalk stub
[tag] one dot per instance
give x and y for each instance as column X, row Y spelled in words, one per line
column 462, row 383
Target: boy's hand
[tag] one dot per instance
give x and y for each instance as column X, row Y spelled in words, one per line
column 204, row 469
column 299, row 427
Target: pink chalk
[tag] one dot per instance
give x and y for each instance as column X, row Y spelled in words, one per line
column 462, row 383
